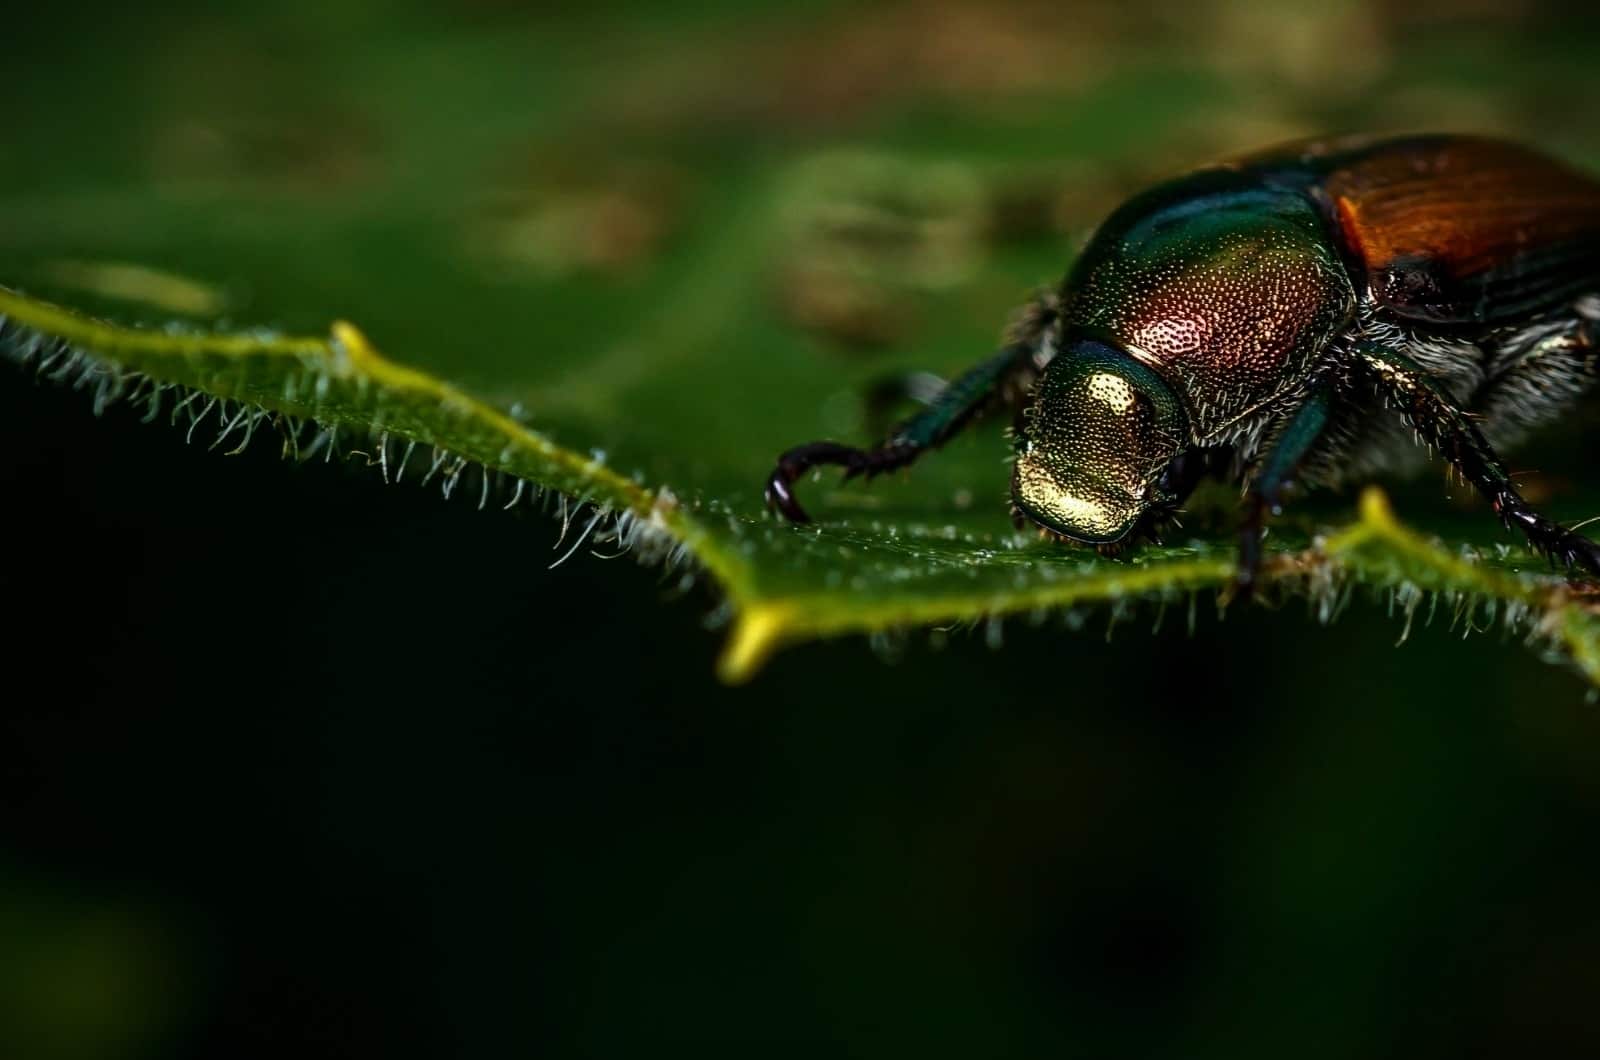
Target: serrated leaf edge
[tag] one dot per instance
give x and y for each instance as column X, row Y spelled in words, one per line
column 1547, row 607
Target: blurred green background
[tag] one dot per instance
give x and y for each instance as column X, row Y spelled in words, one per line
column 295, row 764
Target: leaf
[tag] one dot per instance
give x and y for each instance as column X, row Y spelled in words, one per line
column 622, row 293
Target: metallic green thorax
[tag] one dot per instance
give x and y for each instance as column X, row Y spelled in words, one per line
column 1224, row 284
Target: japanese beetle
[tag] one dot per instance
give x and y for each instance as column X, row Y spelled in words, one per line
column 1282, row 316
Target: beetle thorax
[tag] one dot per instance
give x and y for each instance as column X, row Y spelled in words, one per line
column 1231, row 296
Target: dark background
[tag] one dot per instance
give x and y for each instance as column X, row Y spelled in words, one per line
column 294, row 764
column 479, row 807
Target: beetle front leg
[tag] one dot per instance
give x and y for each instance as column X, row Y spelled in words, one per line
column 794, row 463
column 1275, row 475
column 886, row 399
column 1449, row 430
column 956, row 406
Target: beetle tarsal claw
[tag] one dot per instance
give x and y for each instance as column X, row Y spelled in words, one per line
column 796, row 463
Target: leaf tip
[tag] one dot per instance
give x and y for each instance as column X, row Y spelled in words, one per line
column 352, row 343
column 756, row 634
column 1376, row 511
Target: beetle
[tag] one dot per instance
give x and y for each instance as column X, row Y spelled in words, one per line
column 1284, row 318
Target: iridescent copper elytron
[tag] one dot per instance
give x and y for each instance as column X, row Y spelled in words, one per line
column 1294, row 314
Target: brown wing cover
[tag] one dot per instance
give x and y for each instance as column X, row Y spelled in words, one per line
column 1461, row 230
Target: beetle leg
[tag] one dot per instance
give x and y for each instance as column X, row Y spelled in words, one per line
column 952, row 409
column 1276, row 473
column 1450, row 430
column 888, row 396
column 1003, row 377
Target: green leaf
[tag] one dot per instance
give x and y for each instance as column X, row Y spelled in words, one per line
column 621, row 292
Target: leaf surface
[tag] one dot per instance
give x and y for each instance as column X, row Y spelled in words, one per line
column 496, row 257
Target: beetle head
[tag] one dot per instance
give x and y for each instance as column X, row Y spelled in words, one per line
column 1093, row 446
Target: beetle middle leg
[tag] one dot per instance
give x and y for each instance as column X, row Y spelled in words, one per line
column 1003, row 376
column 1275, row 474
column 1449, row 430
